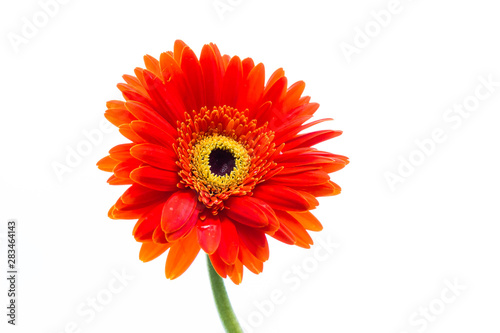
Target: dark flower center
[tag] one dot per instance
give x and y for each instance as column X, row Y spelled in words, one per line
column 221, row 162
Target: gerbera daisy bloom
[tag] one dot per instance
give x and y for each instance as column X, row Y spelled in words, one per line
column 217, row 160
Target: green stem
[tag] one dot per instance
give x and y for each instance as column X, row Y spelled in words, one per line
column 226, row 313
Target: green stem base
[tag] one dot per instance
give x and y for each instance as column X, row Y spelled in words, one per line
column 226, row 313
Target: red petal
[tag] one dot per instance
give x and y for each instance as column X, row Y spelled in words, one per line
column 145, row 113
column 159, row 236
column 285, row 235
column 281, row 197
column 137, row 194
column 292, row 128
column 274, row 224
column 276, row 92
column 121, row 210
column 192, row 70
column 178, row 210
column 310, row 139
column 155, row 155
column 254, row 88
column 229, row 242
column 160, row 180
column 247, row 64
column 309, row 178
column 212, row 76
column 175, row 80
column 255, row 241
column 147, row 224
column 209, row 234
column 327, row 189
column 185, row 229
column 247, row 210
column 153, row 134
column 166, row 102
column 231, row 82
column 277, row 74
column 293, row 94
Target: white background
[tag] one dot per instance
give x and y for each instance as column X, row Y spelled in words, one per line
column 398, row 247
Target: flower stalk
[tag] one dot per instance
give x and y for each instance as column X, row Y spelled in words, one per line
column 226, row 313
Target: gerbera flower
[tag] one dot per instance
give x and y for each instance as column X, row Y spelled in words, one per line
column 217, row 160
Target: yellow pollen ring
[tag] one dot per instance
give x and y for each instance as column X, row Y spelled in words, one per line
column 201, row 162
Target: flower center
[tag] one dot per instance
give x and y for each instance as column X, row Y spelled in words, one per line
column 223, row 153
column 220, row 162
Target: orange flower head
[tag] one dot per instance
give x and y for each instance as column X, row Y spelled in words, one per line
column 217, row 160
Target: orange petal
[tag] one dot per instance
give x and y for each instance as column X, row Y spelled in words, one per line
column 308, row 220
column 301, row 236
column 285, row 235
column 237, row 273
column 253, row 264
column 182, row 255
column 179, row 46
column 152, row 64
column 123, row 169
column 119, row 116
column 150, row 251
column 127, row 132
column 107, row 164
column 121, row 152
column 219, row 265
column 113, row 180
